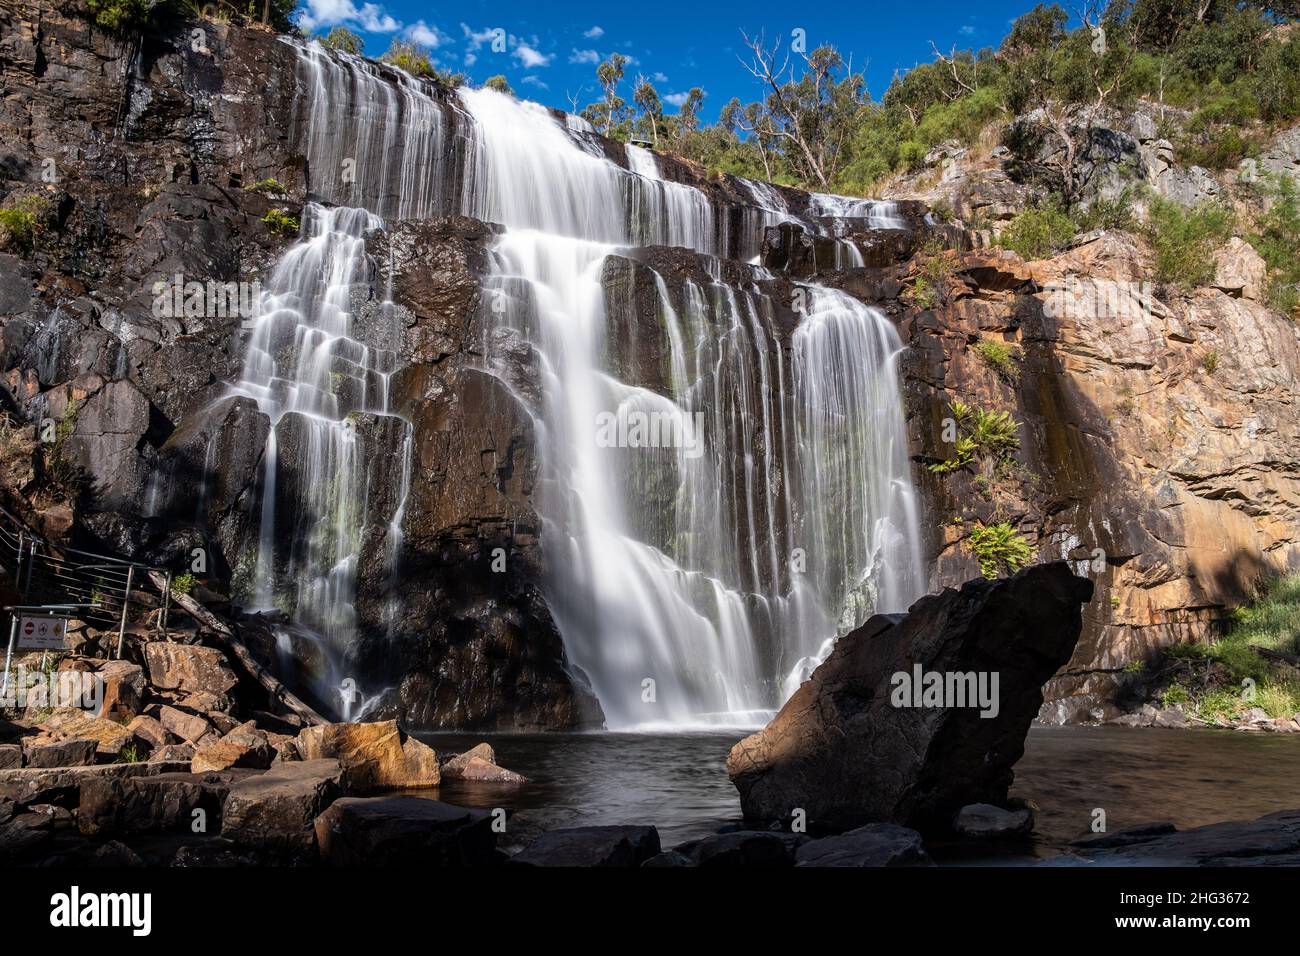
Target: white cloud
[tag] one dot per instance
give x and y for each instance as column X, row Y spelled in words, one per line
column 677, row 99
column 370, row 17
column 423, row 34
column 534, row 81
column 658, row 77
column 471, row 59
column 967, row 30
column 594, row 32
column 475, row 39
column 584, row 56
column 529, row 57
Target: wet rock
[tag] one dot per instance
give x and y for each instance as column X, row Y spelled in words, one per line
column 404, row 831
column 190, row 668
column 852, row 746
column 591, row 846
column 985, row 821
column 374, row 754
column 479, row 764
column 1272, row 840
column 876, row 844
column 11, row 756
column 744, row 848
column 278, row 809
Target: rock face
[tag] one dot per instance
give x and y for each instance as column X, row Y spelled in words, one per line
column 1158, row 450
column 861, row 742
column 1159, row 436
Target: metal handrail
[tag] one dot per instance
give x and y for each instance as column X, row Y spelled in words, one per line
column 106, row 584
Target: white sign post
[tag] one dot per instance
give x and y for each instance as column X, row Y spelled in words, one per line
column 42, row 633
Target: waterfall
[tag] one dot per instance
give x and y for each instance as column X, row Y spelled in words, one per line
column 696, row 579
column 321, row 386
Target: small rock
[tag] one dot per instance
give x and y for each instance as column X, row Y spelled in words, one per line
column 479, row 770
column 173, row 753
column 984, row 821
column 124, row 687
column 187, row 726
column 149, row 730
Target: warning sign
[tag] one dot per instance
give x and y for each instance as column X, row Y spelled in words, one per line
column 41, row 633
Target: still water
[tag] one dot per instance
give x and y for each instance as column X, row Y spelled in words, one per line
column 678, row 782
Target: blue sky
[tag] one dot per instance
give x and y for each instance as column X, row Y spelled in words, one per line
column 551, row 49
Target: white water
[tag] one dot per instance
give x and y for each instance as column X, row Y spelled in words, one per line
column 691, row 589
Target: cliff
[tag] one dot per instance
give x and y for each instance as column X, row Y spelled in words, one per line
column 1171, row 478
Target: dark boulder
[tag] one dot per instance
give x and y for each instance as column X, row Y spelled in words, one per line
column 876, row 844
column 591, row 846
column 858, row 743
column 404, row 831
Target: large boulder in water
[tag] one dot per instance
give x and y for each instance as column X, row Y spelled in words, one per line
column 914, row 716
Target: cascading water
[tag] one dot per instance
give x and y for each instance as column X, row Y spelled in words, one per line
column 696, row 581
column 317, row 383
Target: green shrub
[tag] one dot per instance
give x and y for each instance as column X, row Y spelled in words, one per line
column 267, row 186
column 1184, row 240
column 1104, row 213
column 1272, row 622
column 411, row 58
column 183, row 583
column 1000, row 357
column 1278, row 243
column 1039, row 231
column 120, row 16
column 999, row 549
column 281, row 222
column 341, row 38
column 1210, row 361
column 984, row 434
column 23, row 222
